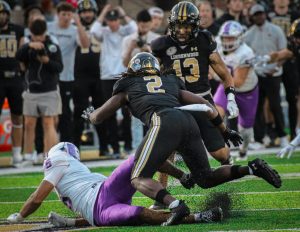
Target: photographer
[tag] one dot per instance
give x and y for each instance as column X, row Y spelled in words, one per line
column 139, row 41
column 40, row 59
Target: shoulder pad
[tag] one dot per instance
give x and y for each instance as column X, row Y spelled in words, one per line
column 55, row 161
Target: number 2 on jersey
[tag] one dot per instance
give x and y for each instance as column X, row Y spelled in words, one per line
column 154, row 85
column 194, row 70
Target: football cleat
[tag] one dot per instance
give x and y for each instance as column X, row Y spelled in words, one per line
column 261, row 169
column 177, row 214
column 211, row 215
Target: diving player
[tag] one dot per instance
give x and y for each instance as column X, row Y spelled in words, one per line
column 100, row 201
column 11, row 83
column 154, row 98
column 238, row 57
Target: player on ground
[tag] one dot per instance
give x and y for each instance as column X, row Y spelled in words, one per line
column 238, row 57
column 154, row 98
column 101, row 201
column 11, row 83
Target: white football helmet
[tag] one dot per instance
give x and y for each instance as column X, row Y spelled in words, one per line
column 231, row 34
column 66, row 147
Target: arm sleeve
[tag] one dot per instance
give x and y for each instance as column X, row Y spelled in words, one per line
column 97, row 30
column 120, row 86
column 282, row 42
column 156, row 47
column 130, row 27
column 212, row 44
column 54, row 174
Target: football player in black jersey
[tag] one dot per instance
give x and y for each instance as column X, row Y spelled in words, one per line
column 156, row 99
column 190, row 52
column 11, row 83
column 87, row 73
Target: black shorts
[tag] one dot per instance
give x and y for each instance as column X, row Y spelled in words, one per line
column 211, row 135
column 12, row 89
column 170, row 130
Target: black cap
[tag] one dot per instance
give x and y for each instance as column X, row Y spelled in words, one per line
column 112, row 15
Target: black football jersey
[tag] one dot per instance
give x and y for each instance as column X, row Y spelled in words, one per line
column 9, row 44
column 87, row 61
column 149, row 93
column 190, row 62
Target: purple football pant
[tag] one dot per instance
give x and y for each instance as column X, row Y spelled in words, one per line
column 113, row 203
column 246, row 102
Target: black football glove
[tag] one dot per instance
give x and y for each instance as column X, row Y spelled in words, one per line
column 86, row 113
column 232, row 136
column 187, row 181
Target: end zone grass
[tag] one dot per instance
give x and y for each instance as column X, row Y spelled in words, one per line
column 256, row 205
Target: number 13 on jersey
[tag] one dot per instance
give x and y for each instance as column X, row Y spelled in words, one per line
column 194, row 69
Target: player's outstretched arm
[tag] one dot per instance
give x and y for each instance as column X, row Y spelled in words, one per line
column 32, row 203
column 108, row 108
column 289, row 149
column 221, row 70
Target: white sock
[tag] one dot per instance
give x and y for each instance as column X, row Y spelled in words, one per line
column 250, row 171
column 16, row 151
column 197, row 217
column 174, row 204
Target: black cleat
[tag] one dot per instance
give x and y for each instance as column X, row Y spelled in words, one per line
column 261, row 169
column 177, row 214
column 211, row 215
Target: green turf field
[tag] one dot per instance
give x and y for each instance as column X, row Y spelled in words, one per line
column 256, row 205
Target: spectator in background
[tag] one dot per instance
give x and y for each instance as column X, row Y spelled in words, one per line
column 247, row 6
column 282, row 17
column 265, row 37
column 111, row 62
column 207, row 15
column 40, row 59
column 49, row 10
column 87, row 71
column 133, row 44
column 234, row 12
column 68, row 36
column 207, row 22
column 157, row 15
column 11, row 83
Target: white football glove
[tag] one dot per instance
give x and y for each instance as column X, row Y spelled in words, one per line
column 232, row 107
column 15, row 218
column 289, row 150
column 59, row 221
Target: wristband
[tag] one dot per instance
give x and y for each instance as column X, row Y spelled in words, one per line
column 217, row 120
column 230, row 89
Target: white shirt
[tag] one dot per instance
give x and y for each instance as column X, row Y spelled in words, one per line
column 76, row 186
column 266, row 39
column 127, row 40
column 68, row 41
column 241, row 57
column 111, row 62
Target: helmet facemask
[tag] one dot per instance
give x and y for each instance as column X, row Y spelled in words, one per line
column 230, row 43
column 184, row 15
